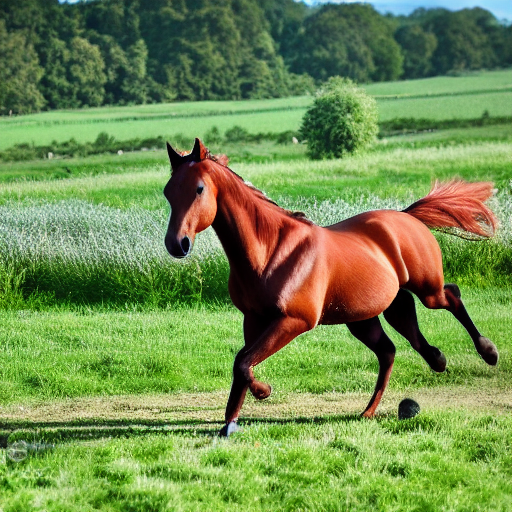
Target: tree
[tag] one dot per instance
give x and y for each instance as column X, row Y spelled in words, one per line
column 116, row 66
column 86, row 72
column 55, row 85
column 462, row 43
column 329, row 46
column 351, row 40
column 342, row 120
column 20, row 74
column 135, row 85
column 418, row 47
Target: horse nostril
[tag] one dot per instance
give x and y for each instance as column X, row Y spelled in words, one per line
column 185, row 245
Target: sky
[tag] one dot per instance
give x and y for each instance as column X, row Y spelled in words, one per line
column 502, row 9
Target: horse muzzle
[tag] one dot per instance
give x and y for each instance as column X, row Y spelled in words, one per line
column 178, row 248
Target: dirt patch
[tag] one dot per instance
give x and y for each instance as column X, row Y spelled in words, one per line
column 209, row 407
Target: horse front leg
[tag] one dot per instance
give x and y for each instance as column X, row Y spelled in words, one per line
column 371, row 333
column 278, row 333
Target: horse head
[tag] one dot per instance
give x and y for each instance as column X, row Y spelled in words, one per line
column 192, row 196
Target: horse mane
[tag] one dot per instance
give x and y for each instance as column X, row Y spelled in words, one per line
column 256, row 193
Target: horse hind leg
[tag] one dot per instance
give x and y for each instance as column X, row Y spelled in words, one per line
column 449, row 298
column 401, row 315
column 484, row 346
column 371, row 333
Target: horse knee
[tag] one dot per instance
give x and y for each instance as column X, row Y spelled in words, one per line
column 242, row 370
column 243, row 373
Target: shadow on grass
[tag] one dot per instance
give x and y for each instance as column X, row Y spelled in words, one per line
column 53, row 432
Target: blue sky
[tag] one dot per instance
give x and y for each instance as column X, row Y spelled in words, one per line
column 502, row 9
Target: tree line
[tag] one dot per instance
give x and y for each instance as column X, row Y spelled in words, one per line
column 118, row 52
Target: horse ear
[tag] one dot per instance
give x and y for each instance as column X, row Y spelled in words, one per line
column 174, row 157
column 199, row 152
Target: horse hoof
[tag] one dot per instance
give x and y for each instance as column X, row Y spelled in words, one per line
column 438, row 364
column 229, row 428
column 487, row 350
column 260, row 390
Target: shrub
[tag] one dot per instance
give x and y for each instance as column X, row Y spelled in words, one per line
column 342, row 120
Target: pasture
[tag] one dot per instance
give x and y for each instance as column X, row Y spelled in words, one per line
column 116, row 360
column 438, row 98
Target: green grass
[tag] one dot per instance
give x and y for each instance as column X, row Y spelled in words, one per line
column 138, row 180
column 438, row 461
column 472, row 82
column 194, row 119
column 448, row 137
column 192, row 350
column 447, row 107
column 275, row 122
column 239, row 154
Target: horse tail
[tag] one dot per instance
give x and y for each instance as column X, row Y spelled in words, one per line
column 457, row 207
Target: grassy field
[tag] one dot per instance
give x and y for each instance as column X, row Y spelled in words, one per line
column 465, row 97
column 116, row 359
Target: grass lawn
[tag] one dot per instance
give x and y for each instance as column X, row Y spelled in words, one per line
column 192, row 350
column 305, row 448
column 441, row 460
column 117, row 361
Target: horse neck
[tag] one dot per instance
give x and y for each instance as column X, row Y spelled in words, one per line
column 248, row 226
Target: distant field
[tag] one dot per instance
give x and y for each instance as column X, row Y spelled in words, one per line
column 454, row 97
column 472, row 82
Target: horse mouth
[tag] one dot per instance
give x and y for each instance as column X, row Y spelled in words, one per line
column 178, row 249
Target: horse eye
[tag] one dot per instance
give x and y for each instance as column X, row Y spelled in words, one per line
column 200, row 190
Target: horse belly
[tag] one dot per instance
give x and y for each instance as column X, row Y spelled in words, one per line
column 360, row 288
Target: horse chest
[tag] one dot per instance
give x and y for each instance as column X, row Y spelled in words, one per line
column 253, row 293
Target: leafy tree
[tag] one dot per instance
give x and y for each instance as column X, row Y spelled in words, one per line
column 349, row 40
column 342, row 120
column 418, row 47
column 377, row 32
column 286, row 18
column 329, row 46
column 136, row 86
column 20, row 73
column 507, row 47
column 86, row 72
column 119, row 51
column 462, row 43
column 116, row 66
column 116, row 18
column 55, row 84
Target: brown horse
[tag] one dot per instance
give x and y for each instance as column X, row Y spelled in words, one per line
column 287, row 275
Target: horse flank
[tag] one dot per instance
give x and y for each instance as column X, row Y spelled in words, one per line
column 458, row 208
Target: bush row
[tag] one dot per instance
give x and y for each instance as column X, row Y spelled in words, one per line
column 403, row 125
